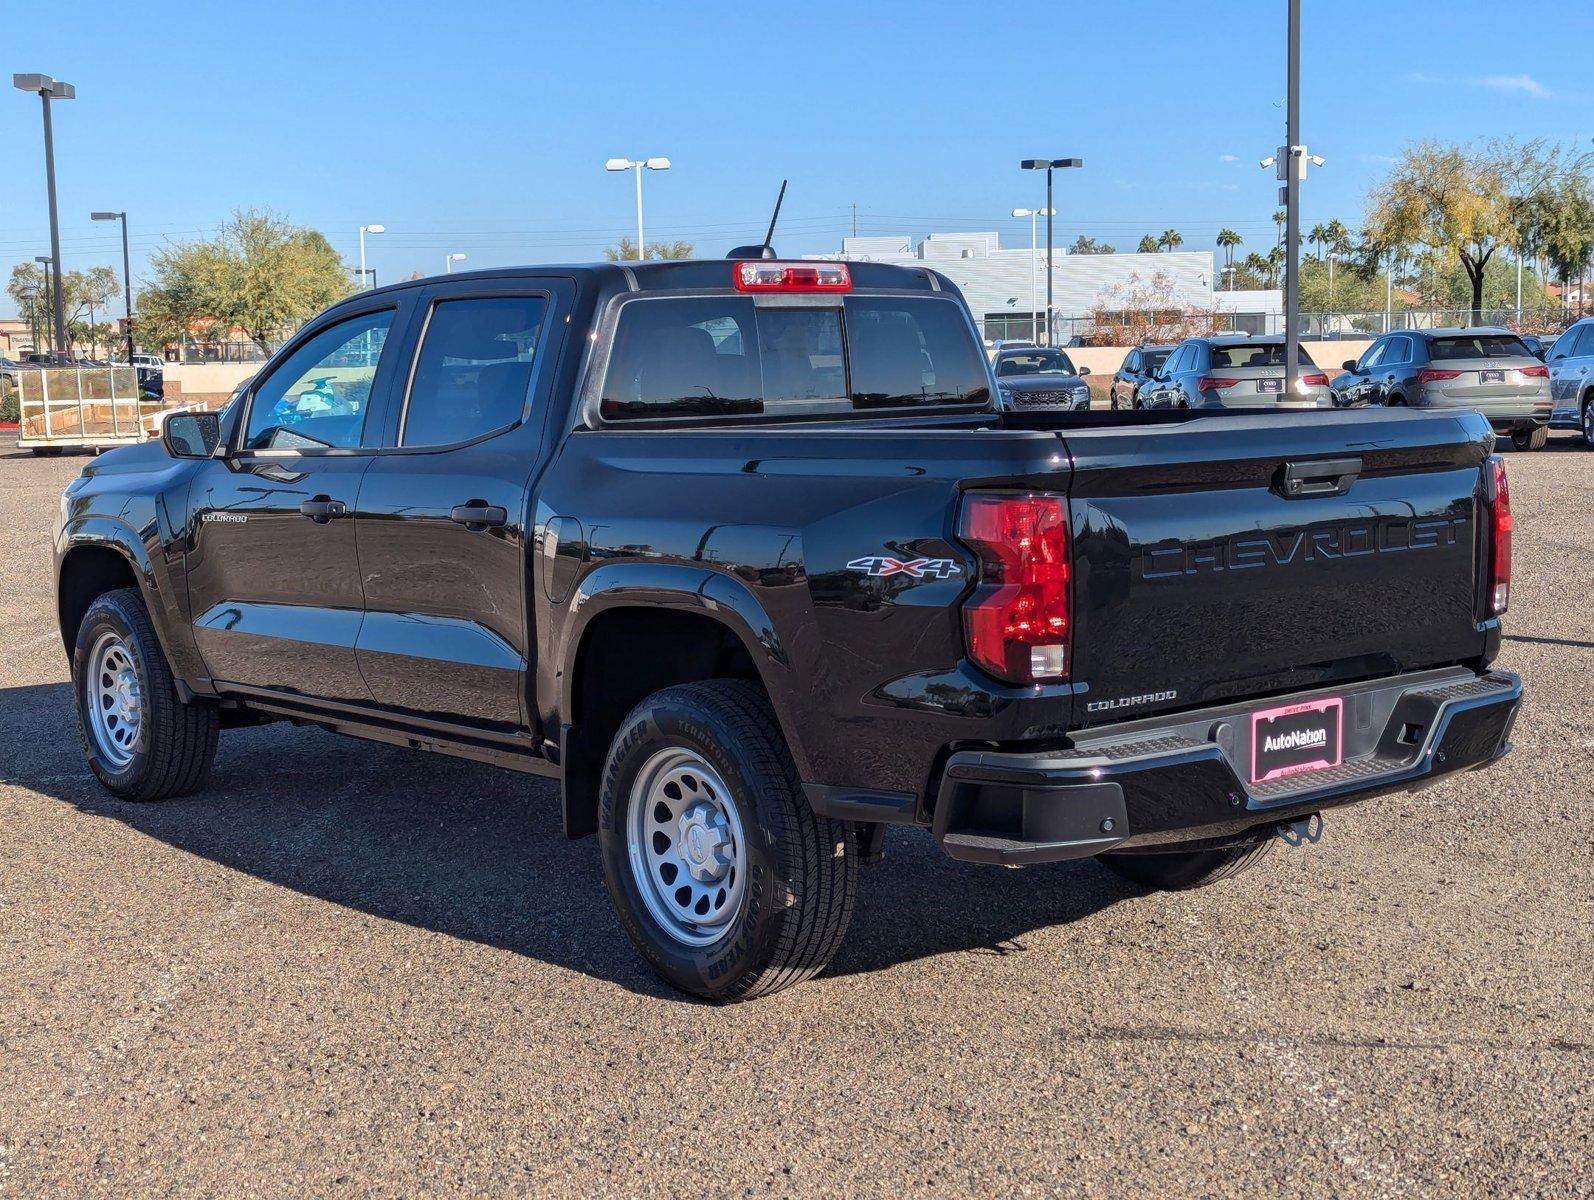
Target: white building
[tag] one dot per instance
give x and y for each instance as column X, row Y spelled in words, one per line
column 1006, row 288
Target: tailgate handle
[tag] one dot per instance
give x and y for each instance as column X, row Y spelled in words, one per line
column 1325, row 477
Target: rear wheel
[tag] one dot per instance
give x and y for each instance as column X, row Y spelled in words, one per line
column 1177, row 871
column 724, row 878
column 1588, row 420
column 142, row 741
column 1531, row 439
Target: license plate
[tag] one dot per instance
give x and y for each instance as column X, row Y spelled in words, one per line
column 1297, row 739
column 1270, row 385
column 1491, row 376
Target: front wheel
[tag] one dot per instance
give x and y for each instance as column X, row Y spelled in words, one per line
column 1588, row 421
column 1177, row 871
column 1530, row 439
column 142, row 741
column 723, row 877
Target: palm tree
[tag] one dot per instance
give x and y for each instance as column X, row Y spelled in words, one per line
column 1170, row 240
column 1227, row 241
column 1275, row 263
column 1318, row 237
column 1148, row 245
column 1259, row 267
column 1280, row 218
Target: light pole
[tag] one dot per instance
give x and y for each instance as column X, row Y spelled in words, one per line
column 1034, row 289
column 637, row 165
column 1049, row 165
column 365, row 229
column 49, row 298
column 1333, row 257
column 449, row 260
column 127, row 274
column 50, row 89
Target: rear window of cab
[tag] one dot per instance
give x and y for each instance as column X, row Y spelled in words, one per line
column 727, row 356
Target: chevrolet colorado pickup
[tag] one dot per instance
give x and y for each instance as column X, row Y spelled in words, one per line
column 741, row 553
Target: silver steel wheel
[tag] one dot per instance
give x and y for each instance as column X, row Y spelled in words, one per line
column 112, row 700
column 687, row 851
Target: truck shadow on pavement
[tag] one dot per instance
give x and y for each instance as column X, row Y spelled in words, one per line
column 476, row 853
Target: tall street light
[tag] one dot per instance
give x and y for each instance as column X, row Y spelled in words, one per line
column 637, row 165
column 1034, row 291
column 365, row 229
column 50, row 292
column 50, row 89
column 449, row 261
column 1049, row 165
column 127, row 274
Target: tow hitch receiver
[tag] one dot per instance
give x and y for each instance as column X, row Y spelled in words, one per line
column 1305, row 832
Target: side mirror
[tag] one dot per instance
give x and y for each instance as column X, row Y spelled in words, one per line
column 1083, row 371
column 1349, row 364
column 191, row 434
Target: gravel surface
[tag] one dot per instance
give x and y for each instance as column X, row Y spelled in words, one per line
column 348, row 969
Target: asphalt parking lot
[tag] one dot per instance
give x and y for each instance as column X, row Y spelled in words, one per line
column 349, row 969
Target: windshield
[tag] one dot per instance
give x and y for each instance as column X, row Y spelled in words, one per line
column 1152, row 359
column 1035, row 362
column 1256, row 354
column 1479, row 345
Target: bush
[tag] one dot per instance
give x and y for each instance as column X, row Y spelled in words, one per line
column 10, row 408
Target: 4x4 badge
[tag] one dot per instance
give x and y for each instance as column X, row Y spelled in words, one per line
column 880, row 565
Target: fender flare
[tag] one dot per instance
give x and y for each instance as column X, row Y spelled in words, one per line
column 719, row 596
column 109, row 533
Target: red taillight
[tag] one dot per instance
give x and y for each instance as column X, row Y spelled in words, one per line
column 1318, row 380
column 1211, row 383
column 1430, row 375
column 762, row 276
column 1535, row 372
column 1017, row 620
column 1498, row 497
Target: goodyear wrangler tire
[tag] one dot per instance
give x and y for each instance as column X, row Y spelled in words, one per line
column 724, row 878
column 141, row 740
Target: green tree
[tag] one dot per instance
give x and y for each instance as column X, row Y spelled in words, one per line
column 85, row 295
column 260, row 273
column 1089, row 245
column 626, row 250
column 1227, row 241
column 1463, row 203
column 1170, row 240
column 1563, row 229
column 1148, row 245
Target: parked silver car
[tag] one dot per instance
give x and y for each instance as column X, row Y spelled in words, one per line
column 1571, row 365
column 1231, row 371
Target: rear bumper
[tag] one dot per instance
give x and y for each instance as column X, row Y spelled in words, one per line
column 1146, row 784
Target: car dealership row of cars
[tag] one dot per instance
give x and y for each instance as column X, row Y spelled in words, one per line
column 1524, row 388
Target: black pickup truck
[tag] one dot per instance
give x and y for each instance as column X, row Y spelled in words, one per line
column 740, row 552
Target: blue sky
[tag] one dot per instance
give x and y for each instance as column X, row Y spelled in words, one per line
column 482, row 127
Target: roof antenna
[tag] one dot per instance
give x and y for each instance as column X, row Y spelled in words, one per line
column 765, row 250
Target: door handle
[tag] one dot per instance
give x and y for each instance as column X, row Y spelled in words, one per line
column 478, row 515
column 1326, row 477
column 322, row 509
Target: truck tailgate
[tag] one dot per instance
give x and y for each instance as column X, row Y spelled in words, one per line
column 1200, row 575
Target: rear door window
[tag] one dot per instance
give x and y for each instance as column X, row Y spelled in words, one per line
column 474, row 369
column 726, row 356
column 1478, row 345
column 1264, row 354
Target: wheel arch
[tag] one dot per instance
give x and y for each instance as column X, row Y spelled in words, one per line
column 96, row 557
column 638, row 628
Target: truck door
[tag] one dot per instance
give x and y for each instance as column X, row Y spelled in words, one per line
column 444, row 511
column 273, row 582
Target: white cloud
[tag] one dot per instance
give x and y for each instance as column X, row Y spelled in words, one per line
column 1513, row 83
column 1516, row 85
column 1385, row 159
column 1228, row 158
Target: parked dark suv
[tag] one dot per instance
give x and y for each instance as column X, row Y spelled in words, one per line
column 1489, row 370
column 1039, row 377
column 1137, row 369
column 1230, row 371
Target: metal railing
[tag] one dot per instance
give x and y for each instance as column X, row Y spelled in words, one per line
column 1314, row 326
